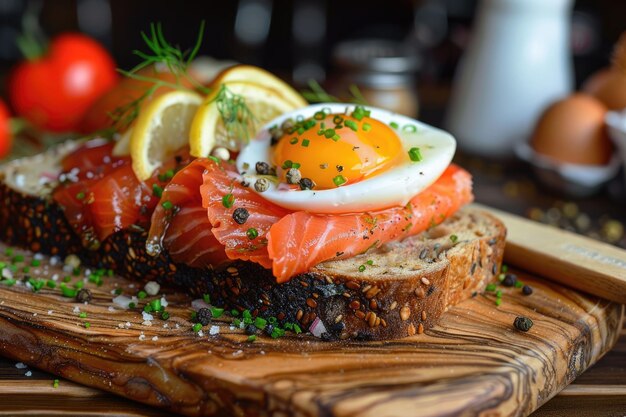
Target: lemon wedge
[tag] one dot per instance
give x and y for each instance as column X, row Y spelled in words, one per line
column 161, row 128
column 256, row 75
column 234, row 111
column 122, row 146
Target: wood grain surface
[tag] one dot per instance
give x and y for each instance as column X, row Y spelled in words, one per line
column 473, row 363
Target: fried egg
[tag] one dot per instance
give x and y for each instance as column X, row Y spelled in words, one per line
column 337, row 158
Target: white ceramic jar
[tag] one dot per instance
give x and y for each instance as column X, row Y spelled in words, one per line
column 517, row 63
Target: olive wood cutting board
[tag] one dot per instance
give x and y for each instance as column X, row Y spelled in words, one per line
column 474, row 363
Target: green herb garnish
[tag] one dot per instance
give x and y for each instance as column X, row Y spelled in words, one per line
column 415, row 154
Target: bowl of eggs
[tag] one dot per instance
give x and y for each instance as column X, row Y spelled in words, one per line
column 570, row 149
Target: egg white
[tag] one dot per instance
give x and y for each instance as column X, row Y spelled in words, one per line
column 394, row 187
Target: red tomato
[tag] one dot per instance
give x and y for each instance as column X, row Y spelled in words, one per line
column 126, row 91
column 53, row 92
column 6, row 138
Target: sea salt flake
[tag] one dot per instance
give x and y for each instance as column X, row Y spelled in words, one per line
column 29, row 373
column 155, row 338
column 76, row 309
column 214, row 330
column 21, row 365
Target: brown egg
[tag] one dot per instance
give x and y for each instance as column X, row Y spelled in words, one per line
column 572, row 130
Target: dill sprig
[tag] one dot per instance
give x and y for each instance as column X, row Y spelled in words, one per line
column 317, row 94
column 237, row 117
column 163, row 53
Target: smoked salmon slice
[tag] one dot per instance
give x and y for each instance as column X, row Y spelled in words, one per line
column 180, row 223
column 301, row 240
column 291, row 243
column 222, row 193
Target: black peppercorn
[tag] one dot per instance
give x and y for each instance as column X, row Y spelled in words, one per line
column 83, row 296
column 204, row 316
column 262, row 168
column 251, row 329
column 306, row 184
column 240, row 215
column 523, row 323
column 509, row 280
column 527, row 290
column 269, row 329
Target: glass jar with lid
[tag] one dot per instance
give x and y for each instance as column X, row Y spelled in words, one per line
column 384, row 72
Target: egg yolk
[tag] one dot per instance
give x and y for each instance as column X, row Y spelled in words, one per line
column 338, row 150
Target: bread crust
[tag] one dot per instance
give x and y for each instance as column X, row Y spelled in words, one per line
column 398, row 290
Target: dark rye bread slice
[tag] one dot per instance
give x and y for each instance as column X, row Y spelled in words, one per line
column 405, row 290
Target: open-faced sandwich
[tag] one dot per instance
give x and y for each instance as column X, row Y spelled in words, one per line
column 345, row 219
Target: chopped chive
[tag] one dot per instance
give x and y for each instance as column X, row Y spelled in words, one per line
column 260, row 323
column 297, row 329
column 293, row 140
column 165, row 315
column 287, row 164
column 498, row 302
column 252, row 338
column 118, row 291
column 217, row 312
column 370, row 262
column 367, row 127
column 147, row 308
column 35, row 262
column 234, row 312
column 26, row 270
column 305, row 143
column 55, row 383
column 83, row 315
column 167, row 205
column 51, row 284
column 339, row 180
column 132, row 305
column 67, row 279
column 80, row 195
column 361, row 268
column 18, row 258
column 499, row 294
column 319, row 115
column 76, row 271
column 394, row 125
column 157, row 191
column 9, row 282
column 156, row 304
column 491, row 287
column 142, row 294
column 415, row 154
column 504, row 269
column 329, row 133
column 197, row 327
column 519, row 284
column 214, row 159
column 352, row 125
column 252, row 233
column 277, row 332
column 87, row 325
column 454, row 238
column 409, row 128
column 206, row 298
column 228, row 200
column 79, row 285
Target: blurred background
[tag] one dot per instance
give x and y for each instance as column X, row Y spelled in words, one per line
column 486, row 70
